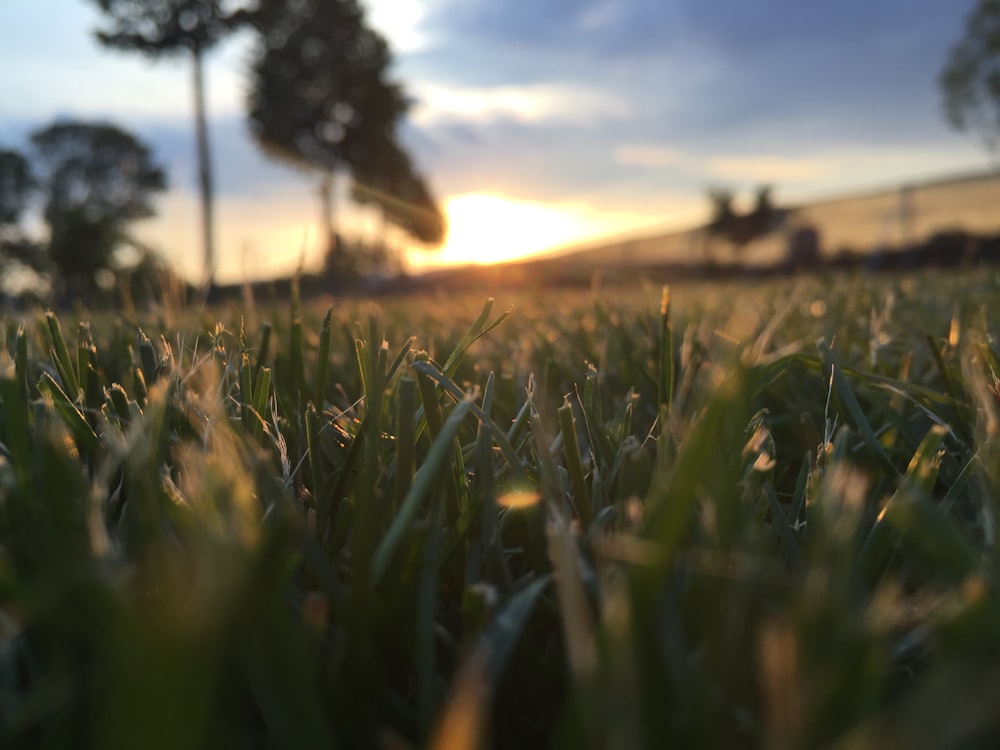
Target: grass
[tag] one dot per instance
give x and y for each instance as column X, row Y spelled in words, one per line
column 731, row 516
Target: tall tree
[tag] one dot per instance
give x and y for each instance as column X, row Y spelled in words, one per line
column 162, row 28
column 96, row 180
column 970, row 80
column 321, row 98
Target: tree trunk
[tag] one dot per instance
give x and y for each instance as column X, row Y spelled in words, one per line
column 204, row 169
column 328, row 220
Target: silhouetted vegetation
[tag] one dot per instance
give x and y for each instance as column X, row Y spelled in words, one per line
column 389, row 182
column 321, row 98
column 970, row 81
column 17, row 183
column 162, row 28
column 96, row 180
column 740, row 229
column 17, row 186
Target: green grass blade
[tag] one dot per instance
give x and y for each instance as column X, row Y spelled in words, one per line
column 423, row 481
column 118, row 399
column 323, row 360
column 857, row 415
column 499, row 435
column 262, row 391
column 296, row 358
column 319, row 488
column 665, row 381
column 921, row 474
column 81, row 431
column 264, row 347
column 574, row 465
column 148, row 360
column 21, row 360
column 477, row 330
column 406, row 418
column 246, row 391
column 63, row 361
column 501, row 635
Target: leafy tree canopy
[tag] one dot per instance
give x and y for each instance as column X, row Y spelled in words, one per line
column 319, row 91
column 389, row 181
column 970, row 80
column 17, row 183
column 321, row 97
column 96, row 180
column 165, row 27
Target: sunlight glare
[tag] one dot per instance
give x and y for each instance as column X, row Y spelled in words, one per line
column 485, row 228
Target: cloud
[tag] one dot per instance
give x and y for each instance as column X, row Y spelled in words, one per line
column 629, row 106
column 553, row 103
column 402, row 22
column 711, row 68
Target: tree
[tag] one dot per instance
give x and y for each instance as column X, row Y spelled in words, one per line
column 161, row 28
column 96, row 180
column 740, row 229
column 17, row 183
column 321, row 98
column 389, row 182
column 970, row 80
column 17, row 186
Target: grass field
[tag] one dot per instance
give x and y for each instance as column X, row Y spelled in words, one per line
column 727, row 516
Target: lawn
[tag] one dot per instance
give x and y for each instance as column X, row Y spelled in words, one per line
column 730, row 515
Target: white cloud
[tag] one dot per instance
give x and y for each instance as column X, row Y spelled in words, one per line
column 528, row 104
column 399, row 21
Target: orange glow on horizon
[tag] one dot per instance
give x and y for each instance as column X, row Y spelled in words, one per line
column 486, row 228
column 267, row 235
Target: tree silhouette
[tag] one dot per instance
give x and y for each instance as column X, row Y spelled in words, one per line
column 742, row 229
column 722, row 209
column 321, row 98
column 388, row 181
column 17, row 183
column 96, row 180
column 161, row 28
column 17, row 186
column 970, row 80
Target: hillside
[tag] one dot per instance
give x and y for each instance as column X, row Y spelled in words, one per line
column 884, row 219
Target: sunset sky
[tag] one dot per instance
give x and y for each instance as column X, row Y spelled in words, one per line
column 538, row 123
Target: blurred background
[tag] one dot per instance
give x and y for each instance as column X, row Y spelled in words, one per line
column 507, row 129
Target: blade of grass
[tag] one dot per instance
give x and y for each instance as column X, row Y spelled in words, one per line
column 857, row 415
column 476, row 331
column 81, row 431
column 921, row 474
column 323, row 360
column 500, row 436
column 665, row 384
column 427, row 474
column 406, row 417
column 63, row 361
column 574, row 465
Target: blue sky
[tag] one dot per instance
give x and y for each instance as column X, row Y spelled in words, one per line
column 538, row 122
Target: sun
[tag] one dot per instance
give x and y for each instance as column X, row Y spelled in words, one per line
column 487, row 228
